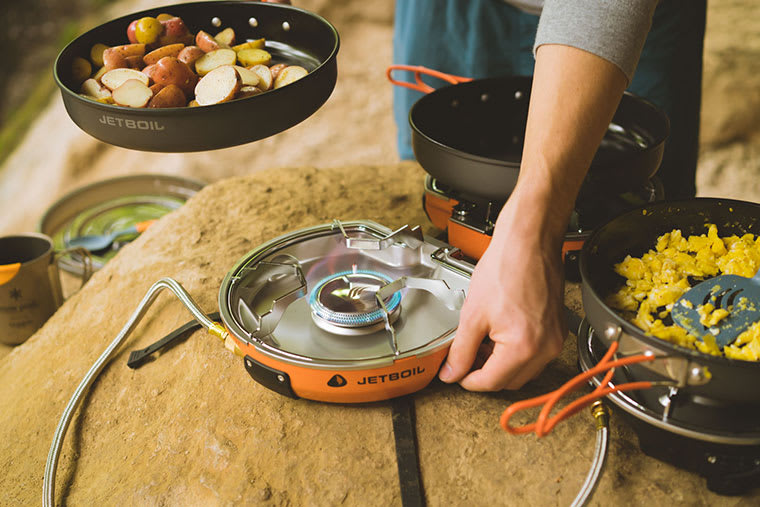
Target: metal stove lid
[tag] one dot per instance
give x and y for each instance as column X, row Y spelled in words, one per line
column 348, row 295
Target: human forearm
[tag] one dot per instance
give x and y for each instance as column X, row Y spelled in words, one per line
column 573, row 99
column 516, row 294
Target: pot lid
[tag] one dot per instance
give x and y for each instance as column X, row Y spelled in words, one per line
column 110, row 206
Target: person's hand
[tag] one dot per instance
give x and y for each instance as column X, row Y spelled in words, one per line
column 515, row 298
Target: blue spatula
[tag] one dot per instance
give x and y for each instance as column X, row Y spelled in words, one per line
column 739, row 295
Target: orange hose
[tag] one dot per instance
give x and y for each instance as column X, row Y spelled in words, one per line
column 544, row 424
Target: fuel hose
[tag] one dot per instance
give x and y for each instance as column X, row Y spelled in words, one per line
column 601, row 416
column 48, row 484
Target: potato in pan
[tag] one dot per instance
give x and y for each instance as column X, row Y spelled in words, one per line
column 159, row 67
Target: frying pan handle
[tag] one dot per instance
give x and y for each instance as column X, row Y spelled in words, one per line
column 419, row 85
column 544, row 423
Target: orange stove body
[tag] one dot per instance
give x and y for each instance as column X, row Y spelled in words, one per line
column 404, row 376
column 471, row 242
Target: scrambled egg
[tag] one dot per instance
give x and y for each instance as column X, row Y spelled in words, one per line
column 658, row 278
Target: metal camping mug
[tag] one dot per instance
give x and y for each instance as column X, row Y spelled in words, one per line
column 30, row 284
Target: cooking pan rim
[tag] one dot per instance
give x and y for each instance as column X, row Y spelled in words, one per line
column 630, row 328
column 158, row 112
column 638, row 101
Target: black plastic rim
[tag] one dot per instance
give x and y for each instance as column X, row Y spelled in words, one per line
column 300, row 37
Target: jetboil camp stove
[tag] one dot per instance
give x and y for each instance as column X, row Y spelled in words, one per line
column 345, row 312
column 469, row 219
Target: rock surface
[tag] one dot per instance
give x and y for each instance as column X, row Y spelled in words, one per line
column 192, row 427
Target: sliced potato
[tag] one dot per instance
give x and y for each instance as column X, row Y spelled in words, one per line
column 168, row 50
column 275, row 69
column 169, row 96
column 119, row 57
column 149, row 70
column 219, row 85
column 109, row 100
column 175, row 30
column 247, row 91
column 214, row 59
column 95, row 90
column 96, row 54
column 170, row 70
column 130, row 50
column 251, row 57
column 113, row 59
column 265, row 76
column 99, row 74
column 247, row 77
column 116, row 77
column 132, row 93
column 225, row 38
column 206, row 42
column 135, row 62
column 251, row 44
column 288, row 75
column 80, row 69
column 190, row 54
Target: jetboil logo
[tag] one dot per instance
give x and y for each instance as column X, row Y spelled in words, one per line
column 115, row 121
column 340, row 381
column 337, row 381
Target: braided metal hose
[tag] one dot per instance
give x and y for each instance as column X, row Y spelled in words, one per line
column 48, row 484
column 602, row 416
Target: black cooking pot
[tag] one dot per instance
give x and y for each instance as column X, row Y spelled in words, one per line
column 470, row 135
column 715, row 378
column 294, row 36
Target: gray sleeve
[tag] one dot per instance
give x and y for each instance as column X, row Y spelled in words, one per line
column 611, row 29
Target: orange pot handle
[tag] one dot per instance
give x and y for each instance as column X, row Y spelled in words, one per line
column 544, row 423
column 419, row 85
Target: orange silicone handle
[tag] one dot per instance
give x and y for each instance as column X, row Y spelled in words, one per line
column 419, row 85
column 544, row 423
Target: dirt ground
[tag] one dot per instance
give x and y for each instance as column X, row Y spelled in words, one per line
column 179, row 429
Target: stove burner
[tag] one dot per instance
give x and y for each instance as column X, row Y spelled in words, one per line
column 345, row 303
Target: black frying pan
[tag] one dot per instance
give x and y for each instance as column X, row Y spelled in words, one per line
column 635, row 233
column 294, row 36
column 470, row 135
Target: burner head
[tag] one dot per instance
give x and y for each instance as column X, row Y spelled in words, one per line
column 345, row 303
